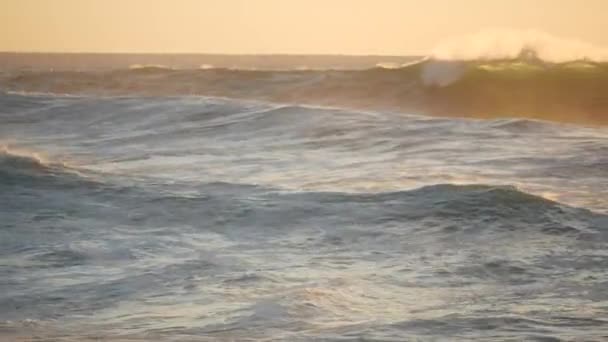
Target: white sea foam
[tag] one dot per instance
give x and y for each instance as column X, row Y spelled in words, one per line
column 509, row 43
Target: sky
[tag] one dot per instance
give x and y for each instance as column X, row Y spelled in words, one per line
column 384, row 27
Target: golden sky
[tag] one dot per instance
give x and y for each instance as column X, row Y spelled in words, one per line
column 282, row 26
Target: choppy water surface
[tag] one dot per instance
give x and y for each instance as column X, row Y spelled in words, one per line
column 196, row 218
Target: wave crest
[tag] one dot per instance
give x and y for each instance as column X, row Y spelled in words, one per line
column 22, row 157
column 521, row 87
column 150, row 67
column 20, row 166
column 495, row 44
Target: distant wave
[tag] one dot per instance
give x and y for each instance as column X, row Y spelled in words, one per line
column 150, row 67
column 393, row 65
column 526, row 86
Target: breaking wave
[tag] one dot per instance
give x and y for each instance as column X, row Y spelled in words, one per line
column 492, row 44
column 525, row 86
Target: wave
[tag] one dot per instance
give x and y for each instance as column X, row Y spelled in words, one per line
column 22, row 158
column 151, row 67
column 525, row 86
column 18, row 165
column 456, row 202
column 22, row 167
column 444, row 209
column 454, row 208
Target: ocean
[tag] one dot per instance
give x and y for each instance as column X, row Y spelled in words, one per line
column 302, row 199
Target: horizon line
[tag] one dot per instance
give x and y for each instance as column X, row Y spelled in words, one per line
column 284, row 54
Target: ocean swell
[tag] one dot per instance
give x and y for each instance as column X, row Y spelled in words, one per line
column 206, row 218
column 567, row 91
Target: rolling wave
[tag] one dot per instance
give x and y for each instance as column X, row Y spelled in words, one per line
column 459, row 205
column 204, row 139
column 445, row 202
column 14, row 163
column 21, row 169
column 525, row 86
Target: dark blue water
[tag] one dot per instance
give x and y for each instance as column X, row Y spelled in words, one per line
column 205, row 219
